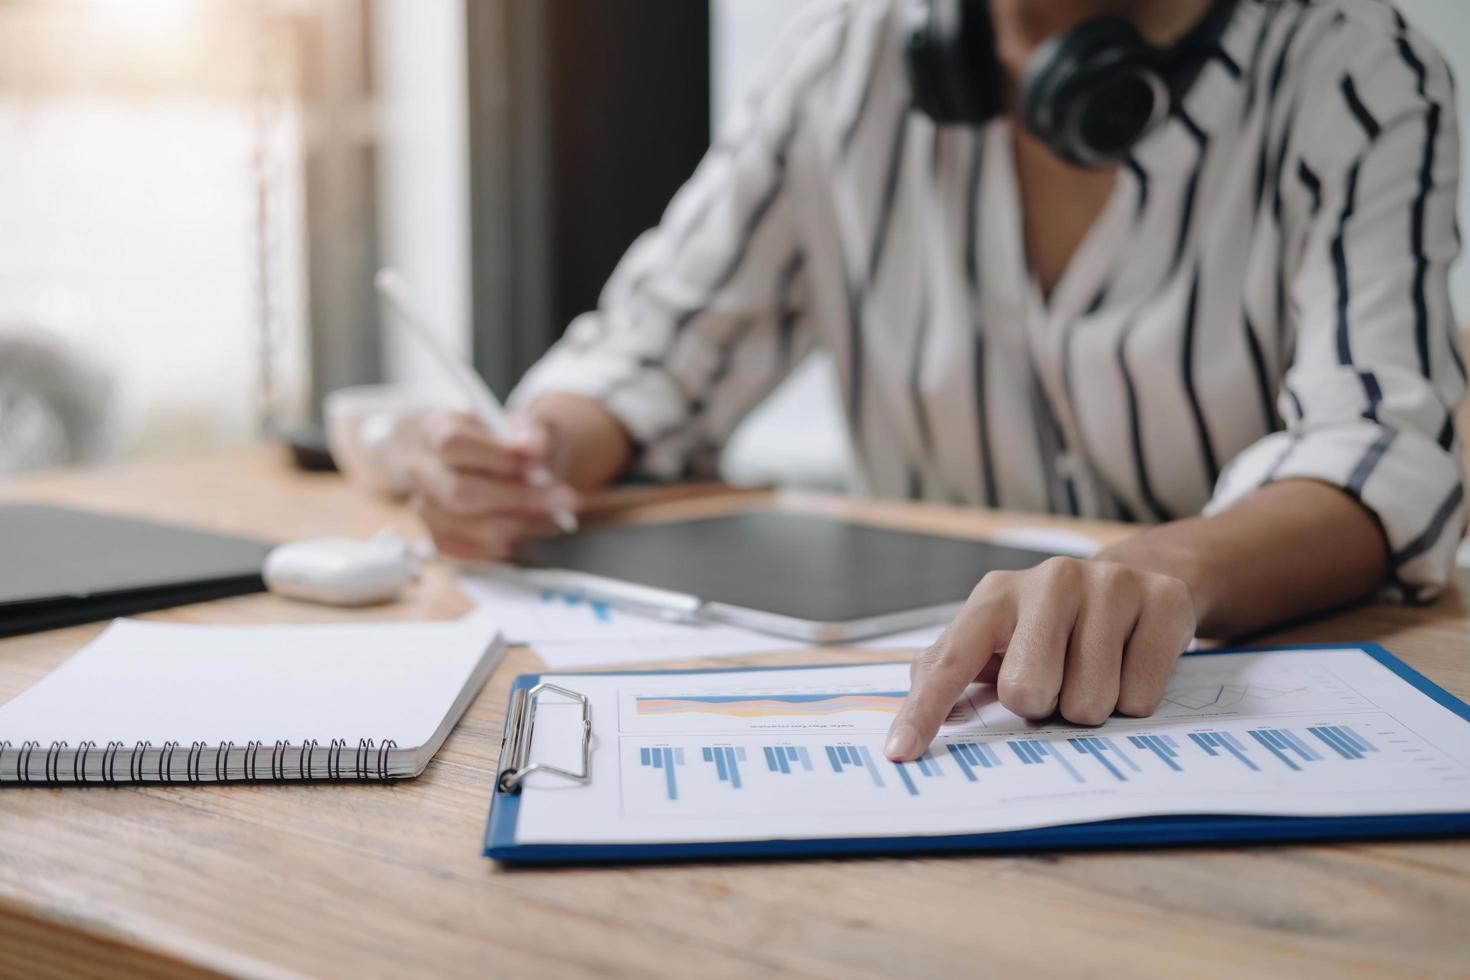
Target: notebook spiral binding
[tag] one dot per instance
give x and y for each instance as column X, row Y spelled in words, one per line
column 369, row 761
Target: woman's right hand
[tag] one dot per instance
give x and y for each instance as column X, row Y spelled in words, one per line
column 475, row 493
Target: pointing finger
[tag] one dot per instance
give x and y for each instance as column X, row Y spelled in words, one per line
column 941, row 673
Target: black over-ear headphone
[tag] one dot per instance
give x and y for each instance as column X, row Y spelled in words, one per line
column 1090, row 94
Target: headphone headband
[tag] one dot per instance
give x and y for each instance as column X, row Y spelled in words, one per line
column 1203, row 39
column 1090, row 94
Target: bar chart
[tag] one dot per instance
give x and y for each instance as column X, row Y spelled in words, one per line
column 860, row 757
column 785, row 758
column 726, row 759
column 925, row 765
column 815, row 773
column 601, row 611
column 1107, row 754
column 1162, row 746
column 664, row 759
column 1032, row 752
column 972, row 757
column 1344, row 741
column 1213, row 743
column 1286, row 746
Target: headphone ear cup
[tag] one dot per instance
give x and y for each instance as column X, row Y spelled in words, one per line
column 952, row 66
column 1092, row 93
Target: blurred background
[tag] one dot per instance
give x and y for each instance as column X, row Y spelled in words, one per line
column 194, row 195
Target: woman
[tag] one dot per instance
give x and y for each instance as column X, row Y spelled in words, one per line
column 1234, row 325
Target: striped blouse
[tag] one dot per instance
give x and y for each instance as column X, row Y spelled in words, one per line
column 1264, row 296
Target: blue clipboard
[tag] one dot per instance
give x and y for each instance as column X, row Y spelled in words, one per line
column 500, row 831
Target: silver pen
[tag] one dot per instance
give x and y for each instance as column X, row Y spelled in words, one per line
column 394, row 291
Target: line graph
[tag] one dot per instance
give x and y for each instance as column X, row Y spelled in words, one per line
column 1201, row 696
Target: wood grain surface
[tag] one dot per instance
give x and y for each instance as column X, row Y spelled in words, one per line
column 387, row 880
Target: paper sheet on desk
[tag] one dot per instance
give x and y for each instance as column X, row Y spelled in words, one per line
column 798, row 753
column 568, row 632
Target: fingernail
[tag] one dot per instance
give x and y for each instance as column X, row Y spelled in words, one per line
column 903, row 743
column 561, row 498
column 520, row 441
column 525, row 437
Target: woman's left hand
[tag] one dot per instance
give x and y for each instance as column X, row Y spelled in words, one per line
column 1083, row 637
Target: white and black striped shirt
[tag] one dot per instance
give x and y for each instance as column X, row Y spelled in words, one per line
column 1264, row 296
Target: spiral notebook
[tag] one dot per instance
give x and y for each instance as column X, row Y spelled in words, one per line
column 164, row 703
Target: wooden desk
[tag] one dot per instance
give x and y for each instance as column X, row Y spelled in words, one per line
column 387, row 880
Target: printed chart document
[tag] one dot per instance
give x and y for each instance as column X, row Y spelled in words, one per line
column 568, row 631
column 787, row 754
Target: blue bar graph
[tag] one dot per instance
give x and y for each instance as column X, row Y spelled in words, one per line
column 1032, row 752
column 854, row 757
column 1343, row 740
column 1213, row 741
column 1279, row 742
column 785, row 758
column 665, row 758
column 928, row 767
column 1101, row 749
column 726, row 759
column 1302, row 749
column 601, row 610
column 970, row 756
column 1121, row 757
column 1160, row 745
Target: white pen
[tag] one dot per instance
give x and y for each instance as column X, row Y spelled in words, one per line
column 394, row 291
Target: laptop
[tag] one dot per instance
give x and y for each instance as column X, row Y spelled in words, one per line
column 59, row 567
column 810, row 577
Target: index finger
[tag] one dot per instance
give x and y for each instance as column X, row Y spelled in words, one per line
column 941, row 673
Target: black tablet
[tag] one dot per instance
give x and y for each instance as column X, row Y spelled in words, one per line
column 808, row 576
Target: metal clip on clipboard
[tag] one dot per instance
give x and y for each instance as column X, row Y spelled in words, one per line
column 516, row 746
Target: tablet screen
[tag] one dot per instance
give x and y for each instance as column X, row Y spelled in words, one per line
column 806, row 566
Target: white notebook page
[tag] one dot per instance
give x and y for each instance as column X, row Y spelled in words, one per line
column 143, row 681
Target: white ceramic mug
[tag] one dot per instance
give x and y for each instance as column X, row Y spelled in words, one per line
column 374, row 431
